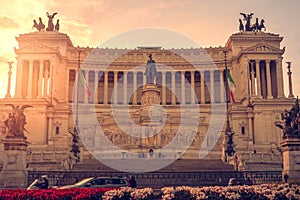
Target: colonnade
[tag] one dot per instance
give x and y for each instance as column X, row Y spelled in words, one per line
column 265, row 79
column 33, row 78
column 121, row 87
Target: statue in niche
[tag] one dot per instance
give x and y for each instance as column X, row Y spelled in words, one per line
column 16, row 121
column 50, row 21
column 150, row 71
column 291, row 119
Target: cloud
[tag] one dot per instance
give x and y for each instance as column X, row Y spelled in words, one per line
column 8, row 23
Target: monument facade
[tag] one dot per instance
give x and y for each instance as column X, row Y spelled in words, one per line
column 47, row 66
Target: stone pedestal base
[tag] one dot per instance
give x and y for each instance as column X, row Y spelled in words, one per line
column 150, row 110
column 291, row 159
column 151, row 115
column 14, row 173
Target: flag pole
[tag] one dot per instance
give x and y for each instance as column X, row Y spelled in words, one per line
column 77, row 93
column 229, row 133
column 75, row 136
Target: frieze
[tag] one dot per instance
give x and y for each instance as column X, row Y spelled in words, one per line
column 263, row 48
column 36, row 48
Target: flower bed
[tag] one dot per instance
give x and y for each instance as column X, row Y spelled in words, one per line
column 259, row 192
column 54, row 194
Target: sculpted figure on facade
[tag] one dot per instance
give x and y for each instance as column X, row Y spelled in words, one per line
column 247, row 18
column 16, row 121
column 291, row 120
column 241, row 26
column 150, row 71
column 251, row 27
column 39, row 26
column 50, row 21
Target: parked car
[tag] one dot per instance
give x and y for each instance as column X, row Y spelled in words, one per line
column 239, row 181
column 99, row 182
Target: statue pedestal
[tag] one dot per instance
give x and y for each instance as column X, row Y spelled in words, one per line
column 151, row 115
column 291, row 159
column 14, row 173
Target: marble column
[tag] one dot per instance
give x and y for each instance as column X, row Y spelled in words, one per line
column 96, row 82
column 134, row 98
column 86, row 77
column 173, row 88
column 125, row 89
column 222, row 88
column 182, row 87
column 9, row 80
column 40, row 82
column 144, row 79
column 29, row 88
column 115, row 93
column 252, row 74
column 269, row 88
column 212, row 87
column 202, row 87
column 257, row 65
column 291, row 95
column 250, row 127
column 19, row 74
column 192, row 87
column 105, row 98
column 50, row 128
column 279, row 75
column 46, row 79
column 163, row 88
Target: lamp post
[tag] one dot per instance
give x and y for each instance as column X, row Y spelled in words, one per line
column 75, row 136
column 228, row 132
column 9, row 80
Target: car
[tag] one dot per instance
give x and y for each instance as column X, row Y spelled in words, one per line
column 99, row 182
column 239, row 181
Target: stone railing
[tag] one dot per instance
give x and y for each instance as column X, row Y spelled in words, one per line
column 162, row 179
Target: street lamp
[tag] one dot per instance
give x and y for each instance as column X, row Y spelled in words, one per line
column 228, row 132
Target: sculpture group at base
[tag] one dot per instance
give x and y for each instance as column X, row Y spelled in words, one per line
column 291, row 118
column 41, row 26
column 251, row 27
column 16, row 121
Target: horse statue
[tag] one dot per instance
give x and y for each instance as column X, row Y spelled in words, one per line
column 41, row 24
column 247, row 17
column 261, row 25
column 258, row 26
column 36, row 25
column 150, row 71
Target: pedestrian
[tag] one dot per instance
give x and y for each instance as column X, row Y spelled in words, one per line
column 132, row 182
column 286, row 177
column 45, row 183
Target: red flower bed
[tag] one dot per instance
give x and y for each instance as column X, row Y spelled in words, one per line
column 54, row 194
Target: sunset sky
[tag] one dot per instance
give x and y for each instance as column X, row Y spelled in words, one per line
column 207, row 22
